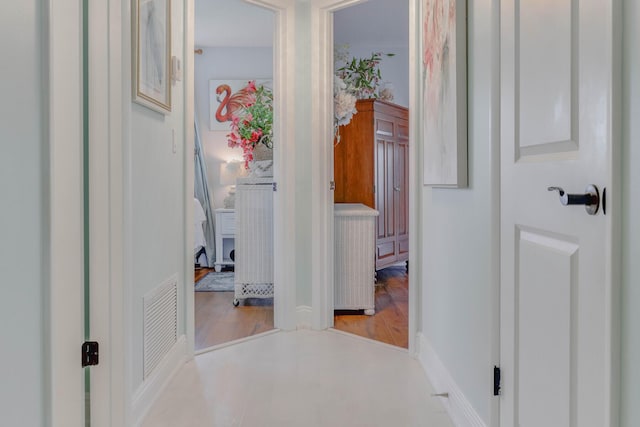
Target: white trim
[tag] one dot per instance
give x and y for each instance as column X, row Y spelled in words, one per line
column 322, row 269
column 304, row 317
column 63, row 303
column 189, row 135
column 152, row 387
column 415, row 176
column 457, row 405
column 613, row 327
column 284, row 153
column 494, row 309
column 105, row 209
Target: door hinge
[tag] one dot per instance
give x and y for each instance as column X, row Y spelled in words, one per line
column 496, row 381
column 332, row 185
column 275, row 186
column 89, row 353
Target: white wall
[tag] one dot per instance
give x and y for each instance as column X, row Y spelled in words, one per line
column 24, row 241
column 379, row 26
column 219, row 63
column 458, row 286
column 154, row 202
column 630, row 393
column 394, row 69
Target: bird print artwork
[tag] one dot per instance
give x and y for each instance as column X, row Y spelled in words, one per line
column 227, row 97
column 231, row 102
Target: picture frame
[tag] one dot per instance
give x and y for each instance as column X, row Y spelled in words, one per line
column 221, row 93
column 151, row 39
column 443, row 36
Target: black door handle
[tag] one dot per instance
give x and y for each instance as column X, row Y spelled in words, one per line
column 590, row 199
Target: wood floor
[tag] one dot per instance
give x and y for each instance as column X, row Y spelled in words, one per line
column 390, row 323
column 217, row 321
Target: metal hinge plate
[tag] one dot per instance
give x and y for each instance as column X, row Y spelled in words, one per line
column 496, row 381
column 275, row 186
column 90, row 353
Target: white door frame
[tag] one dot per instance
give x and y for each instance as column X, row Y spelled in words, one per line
column 110, row 395
column 284, row 156
column 63, row 294
column 322, row 172
column 283, row 153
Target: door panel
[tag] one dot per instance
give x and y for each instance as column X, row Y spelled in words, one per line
column 545, row 72
column 381, row 188
column 554, row 258
column 392, row 200
column 546, row 300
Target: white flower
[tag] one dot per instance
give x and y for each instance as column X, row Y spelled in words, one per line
column 344, row 107
column 344, row 102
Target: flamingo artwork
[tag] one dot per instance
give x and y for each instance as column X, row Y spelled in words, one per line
column 231, row 102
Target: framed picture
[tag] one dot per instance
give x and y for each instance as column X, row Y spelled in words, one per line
column 444, row 96
column 225, row 97
column 151, row 31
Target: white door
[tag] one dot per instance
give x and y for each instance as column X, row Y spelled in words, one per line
column 557, row 108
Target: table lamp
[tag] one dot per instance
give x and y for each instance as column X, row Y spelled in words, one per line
column 229, row 172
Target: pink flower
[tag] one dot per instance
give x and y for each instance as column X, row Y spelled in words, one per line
column 255, row 135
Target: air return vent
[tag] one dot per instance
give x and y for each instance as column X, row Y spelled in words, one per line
column 160, row 323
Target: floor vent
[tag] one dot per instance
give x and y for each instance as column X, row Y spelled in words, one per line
column 160, row 323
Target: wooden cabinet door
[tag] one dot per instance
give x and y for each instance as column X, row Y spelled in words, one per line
column 385, row 234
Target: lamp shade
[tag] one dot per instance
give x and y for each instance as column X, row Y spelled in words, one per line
column 230, row 171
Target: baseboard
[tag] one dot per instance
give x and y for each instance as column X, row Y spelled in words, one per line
column 150, row 389
column 304, row 317
column 458, row 407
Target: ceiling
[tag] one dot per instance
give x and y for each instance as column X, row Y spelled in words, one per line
column 235, row 23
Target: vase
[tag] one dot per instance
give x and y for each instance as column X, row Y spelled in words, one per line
column 262, row 152
column 262, row 164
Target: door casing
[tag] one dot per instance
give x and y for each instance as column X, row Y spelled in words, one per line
column 322, row 173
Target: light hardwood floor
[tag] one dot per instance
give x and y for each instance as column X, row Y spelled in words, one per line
column 217, row 321
column 390, row 323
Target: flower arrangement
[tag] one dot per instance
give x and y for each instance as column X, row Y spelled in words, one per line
column 253, row 123
column 362, row 73
column 344, row 105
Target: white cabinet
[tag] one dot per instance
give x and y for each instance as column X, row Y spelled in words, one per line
column 254, row 239
column 355, row 236
column 225, row 237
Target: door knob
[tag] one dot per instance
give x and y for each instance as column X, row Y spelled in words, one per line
column 590, row 199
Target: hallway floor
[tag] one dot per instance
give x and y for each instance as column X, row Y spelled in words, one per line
column 301, row 378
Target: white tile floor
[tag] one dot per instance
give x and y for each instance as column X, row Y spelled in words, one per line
column 302, row 378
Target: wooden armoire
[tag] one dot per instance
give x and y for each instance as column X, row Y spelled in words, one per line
column 371, row 166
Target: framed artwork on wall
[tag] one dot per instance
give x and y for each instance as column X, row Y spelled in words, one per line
column 227, row 96
column 151, row 36
column 444, row 96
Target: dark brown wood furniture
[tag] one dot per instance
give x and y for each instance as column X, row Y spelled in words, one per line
column 371, row 166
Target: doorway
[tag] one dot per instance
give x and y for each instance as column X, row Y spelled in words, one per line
column 371, row 168
column 227, row 62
